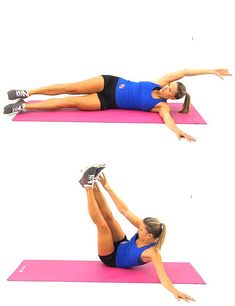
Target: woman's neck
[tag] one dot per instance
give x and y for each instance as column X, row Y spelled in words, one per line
column 156, row 94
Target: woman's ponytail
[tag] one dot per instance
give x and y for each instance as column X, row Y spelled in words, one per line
column 162, row 236
column 180, row 94
column 186, row 105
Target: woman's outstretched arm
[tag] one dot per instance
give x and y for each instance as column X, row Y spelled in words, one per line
column 164, row 112
column 174, row 76
column 156, row 259
column 121, row 206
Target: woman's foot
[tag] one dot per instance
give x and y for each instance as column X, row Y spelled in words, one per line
column 17, row 94
column 88, row 177
column 14, row 108
column 99, row 169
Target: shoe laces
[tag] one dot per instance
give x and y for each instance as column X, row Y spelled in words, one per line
column 21, row 93
column 18, row 108
column 91, row 178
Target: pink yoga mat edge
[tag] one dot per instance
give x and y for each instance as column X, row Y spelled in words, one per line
column 111, row 116
column 95, row 271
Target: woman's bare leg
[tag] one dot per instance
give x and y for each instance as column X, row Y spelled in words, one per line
column 89, row 86
column 116, row 230
column 88, row 102
column 105, row 240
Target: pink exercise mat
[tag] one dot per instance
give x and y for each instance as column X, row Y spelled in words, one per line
column 95, row 271
column 110, row 116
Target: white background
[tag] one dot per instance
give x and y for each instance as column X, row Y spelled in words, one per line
column 189, row 186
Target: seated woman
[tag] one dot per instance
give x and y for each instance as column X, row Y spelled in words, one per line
column 114, row 249
column 110, row 92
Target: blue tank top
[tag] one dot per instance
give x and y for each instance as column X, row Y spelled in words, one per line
column 129, row 255
column 136, row 95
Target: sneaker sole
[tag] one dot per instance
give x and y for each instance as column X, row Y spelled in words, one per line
column 11, row 114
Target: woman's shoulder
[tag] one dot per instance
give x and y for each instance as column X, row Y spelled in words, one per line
column 151, row 253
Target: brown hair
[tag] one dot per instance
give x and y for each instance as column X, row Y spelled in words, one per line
column 181, row 93
column 157, row 229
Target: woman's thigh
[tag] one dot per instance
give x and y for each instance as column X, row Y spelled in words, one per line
column 87, row 102
column 89, row 86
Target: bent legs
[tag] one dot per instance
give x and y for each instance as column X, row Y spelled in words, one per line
column 106, row 229
column 89, row 86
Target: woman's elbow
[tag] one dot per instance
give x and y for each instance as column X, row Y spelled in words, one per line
column 185, row 71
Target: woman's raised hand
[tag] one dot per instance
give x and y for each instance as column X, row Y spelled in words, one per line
column 221, row 73
column 102, row 179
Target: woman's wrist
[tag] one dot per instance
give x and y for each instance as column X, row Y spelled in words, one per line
column 108, row 188
column 176, row 130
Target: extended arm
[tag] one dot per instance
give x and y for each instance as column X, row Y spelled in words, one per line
column 174, row 76
column 164, row 112
column 121, row 206
column 156, row 259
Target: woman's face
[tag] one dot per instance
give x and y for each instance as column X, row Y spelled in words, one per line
column 169, row 91
column 143, row 232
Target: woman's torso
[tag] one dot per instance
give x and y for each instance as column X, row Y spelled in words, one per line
column 129, row 253
column 136, row 95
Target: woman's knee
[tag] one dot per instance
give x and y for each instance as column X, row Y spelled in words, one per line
column 103, row 227
column 108, row 216
column 72, row 89
column 71, row 102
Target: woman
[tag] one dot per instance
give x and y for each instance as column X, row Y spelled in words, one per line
column 114, row 249
column 105, row 92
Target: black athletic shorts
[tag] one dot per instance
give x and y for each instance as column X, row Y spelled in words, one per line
column 110, row 260
column 107, row 95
